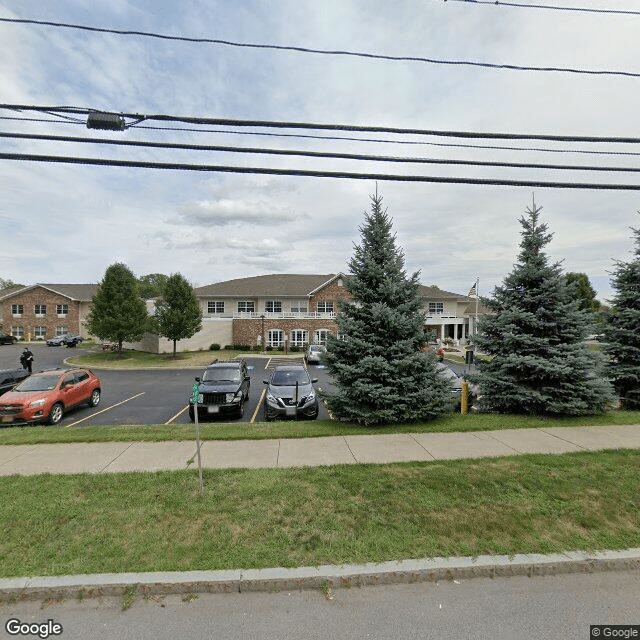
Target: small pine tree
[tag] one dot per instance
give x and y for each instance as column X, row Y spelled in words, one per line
column 118, row 313
column 536, row 335
column 178, row 313
column 622, row 330
column 376, row 363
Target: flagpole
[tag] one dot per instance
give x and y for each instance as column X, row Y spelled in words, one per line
column 475, row 322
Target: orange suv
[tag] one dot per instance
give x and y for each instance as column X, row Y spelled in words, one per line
column 45, row 396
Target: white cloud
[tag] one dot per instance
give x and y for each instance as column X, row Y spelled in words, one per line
column 70, row 221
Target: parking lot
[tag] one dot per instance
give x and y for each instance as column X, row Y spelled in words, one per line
column 151, row 396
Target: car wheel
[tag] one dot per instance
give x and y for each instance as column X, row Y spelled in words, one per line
column 94, row 400
column 241, row 408
column 56, row 413
column 266, row 416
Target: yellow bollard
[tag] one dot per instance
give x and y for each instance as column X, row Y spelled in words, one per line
column 464, row 398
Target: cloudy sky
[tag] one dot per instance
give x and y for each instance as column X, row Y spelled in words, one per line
column 67, row 223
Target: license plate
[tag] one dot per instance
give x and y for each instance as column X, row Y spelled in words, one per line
column 6, row 419
column 213, row 408
column 290, row 411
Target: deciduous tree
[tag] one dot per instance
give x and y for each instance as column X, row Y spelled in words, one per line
column 118, row 313
column 178, row 313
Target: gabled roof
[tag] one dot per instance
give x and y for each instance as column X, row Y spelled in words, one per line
column 278, row 285
column 77, row 292
column 435, row 293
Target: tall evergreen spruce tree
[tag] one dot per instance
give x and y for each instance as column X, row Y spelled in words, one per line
column 541, row 364
column 178, row 312
column 379, row 371
column 622, row 330
column 118, row 313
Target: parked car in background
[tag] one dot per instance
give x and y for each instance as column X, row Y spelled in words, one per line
column 223, row 389
column 46, row 396
column 313, row 353
column 9, row 378
column 290, row 394
column 7, row 339
column 456, row 386
column 67, row 339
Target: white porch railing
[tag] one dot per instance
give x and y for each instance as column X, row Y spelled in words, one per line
column 284, row 315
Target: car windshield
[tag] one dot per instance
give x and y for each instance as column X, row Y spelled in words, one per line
column 221, row 375
column 289, row 377
column 316, row 348
column 38, row 383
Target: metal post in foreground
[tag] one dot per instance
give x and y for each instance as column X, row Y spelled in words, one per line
column 196, row 399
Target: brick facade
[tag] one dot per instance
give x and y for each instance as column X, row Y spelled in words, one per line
column 247, row 331
column 28, row 321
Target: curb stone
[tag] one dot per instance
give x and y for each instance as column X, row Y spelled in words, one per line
column 332, row 576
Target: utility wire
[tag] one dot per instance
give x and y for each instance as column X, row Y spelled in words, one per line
column 330, row 127
column 350, row 139
column 499, row 3
column 315, row 174
column 312, row 154
column 328, row 52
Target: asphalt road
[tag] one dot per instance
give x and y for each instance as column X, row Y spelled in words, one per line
column 518, row 608
column 154, row 396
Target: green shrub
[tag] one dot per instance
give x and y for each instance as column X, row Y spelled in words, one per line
column 214, row 347
column 229, row 347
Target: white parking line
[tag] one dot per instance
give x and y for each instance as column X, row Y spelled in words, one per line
column 255, row 413
column 170, row 420
column 97, row 413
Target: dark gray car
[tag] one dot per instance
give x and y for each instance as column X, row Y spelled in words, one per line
column 9, row 378
column 290, row 394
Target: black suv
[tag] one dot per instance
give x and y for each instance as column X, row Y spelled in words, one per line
column 290, row 394
column 6, row 339
column 9, row 378
column 223, row 388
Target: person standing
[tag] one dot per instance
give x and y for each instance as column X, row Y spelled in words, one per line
column 26, row 359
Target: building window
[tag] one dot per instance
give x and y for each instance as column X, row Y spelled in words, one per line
column 275, row 338
column 246, row 306
column 436, row 308
column 62, row 310
column 320, row 336
column 17, row 310
column 273, row 306
column 325, row 307
column 61, row 330
column 40, row 333
column 299, row 337
column 17, row 332
column 299, row 306
column 40, row 309
column 215, row 306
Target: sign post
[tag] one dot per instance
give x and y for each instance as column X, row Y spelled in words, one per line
column 195, row 399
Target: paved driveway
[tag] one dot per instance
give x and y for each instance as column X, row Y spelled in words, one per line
column 151, row 396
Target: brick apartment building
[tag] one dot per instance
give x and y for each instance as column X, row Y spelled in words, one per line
column 42, row 311
column 277, row 310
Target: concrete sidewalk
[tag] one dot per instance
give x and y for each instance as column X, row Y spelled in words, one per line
column 114, row 457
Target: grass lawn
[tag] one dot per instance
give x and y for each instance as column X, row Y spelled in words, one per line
column 55, row 525
column 130, row 359
column 289, row 429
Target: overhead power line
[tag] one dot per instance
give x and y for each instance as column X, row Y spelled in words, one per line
column 300, row 136
column 520, row 5
column 312, row 154
column 326, row 52
column 314, row 174
column 136, row 117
